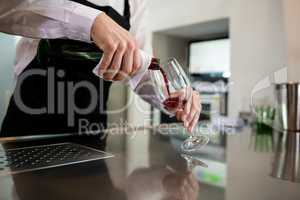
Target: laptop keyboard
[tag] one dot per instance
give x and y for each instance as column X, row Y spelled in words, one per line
column 46, row 156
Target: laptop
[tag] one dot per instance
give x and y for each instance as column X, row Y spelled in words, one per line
column 37, row 152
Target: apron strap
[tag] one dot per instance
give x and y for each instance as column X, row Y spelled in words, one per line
column 127, row 13
column 111, row 12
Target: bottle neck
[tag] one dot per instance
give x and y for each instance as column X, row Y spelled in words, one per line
column 155, row 64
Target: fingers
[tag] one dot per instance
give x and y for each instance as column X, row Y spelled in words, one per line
column 190, row 194
column 194, row 122
column 120, row 58
column 110, row 73
column 107, row 57
column 195, row 114
column 187, row 110
column 193, row 182
column 187, row 190
column 191, row 117
column 136, row 62
column 180, row 94
column 191, row 186
column 127, row 64
column 181, row 186
column 183, row 193
column 179, row 115
column 191, row 111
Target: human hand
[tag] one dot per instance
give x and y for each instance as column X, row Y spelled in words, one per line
column 189, row 112
column 121, row 56
column 181, row 186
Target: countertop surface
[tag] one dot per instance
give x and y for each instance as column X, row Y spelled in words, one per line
column 148, row 164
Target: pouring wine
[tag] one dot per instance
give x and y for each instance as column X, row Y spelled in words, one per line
column 173, row 88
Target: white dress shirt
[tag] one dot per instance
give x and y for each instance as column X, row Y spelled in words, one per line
column 35, row 19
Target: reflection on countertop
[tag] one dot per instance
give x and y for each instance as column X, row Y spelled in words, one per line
column 251, row 161
column 149, row 165
column 286, row 163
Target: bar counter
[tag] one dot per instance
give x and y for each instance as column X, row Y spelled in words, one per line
column 149, row 165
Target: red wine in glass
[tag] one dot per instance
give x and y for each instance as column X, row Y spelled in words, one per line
column 179, row 81
column 170, row 103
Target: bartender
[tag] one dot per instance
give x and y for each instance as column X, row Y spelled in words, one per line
column 63, row 41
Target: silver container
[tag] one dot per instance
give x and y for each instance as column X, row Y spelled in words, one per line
column 286, row 162
column 288, row 100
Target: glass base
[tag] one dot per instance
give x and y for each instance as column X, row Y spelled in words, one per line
column 194, row 143
column 193, row 162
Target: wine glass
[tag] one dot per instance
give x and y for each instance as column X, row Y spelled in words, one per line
column 193, row 162
column 173, row 88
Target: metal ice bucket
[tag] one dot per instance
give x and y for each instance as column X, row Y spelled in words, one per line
column 288, row 100
column 286, row 161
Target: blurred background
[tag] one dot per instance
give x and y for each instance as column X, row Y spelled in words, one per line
column 228, row 47
column 233, row 44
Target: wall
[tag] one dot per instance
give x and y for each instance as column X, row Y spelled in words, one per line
column 173, row 13
column 166, row 47
column 256, row 31
column 258, row 47
column 7, row 52
column 292, row 30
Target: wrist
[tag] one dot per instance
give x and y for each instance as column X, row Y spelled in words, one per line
column 79, row 22
column 95, row 25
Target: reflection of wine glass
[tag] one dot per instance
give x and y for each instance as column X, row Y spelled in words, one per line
column 173, row 89
column 192, row 162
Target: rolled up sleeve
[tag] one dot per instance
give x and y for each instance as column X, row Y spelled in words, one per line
column 47, row 19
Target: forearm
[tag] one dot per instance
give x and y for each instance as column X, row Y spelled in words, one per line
column 47, row 19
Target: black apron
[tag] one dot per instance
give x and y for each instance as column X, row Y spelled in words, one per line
column 62, row 69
